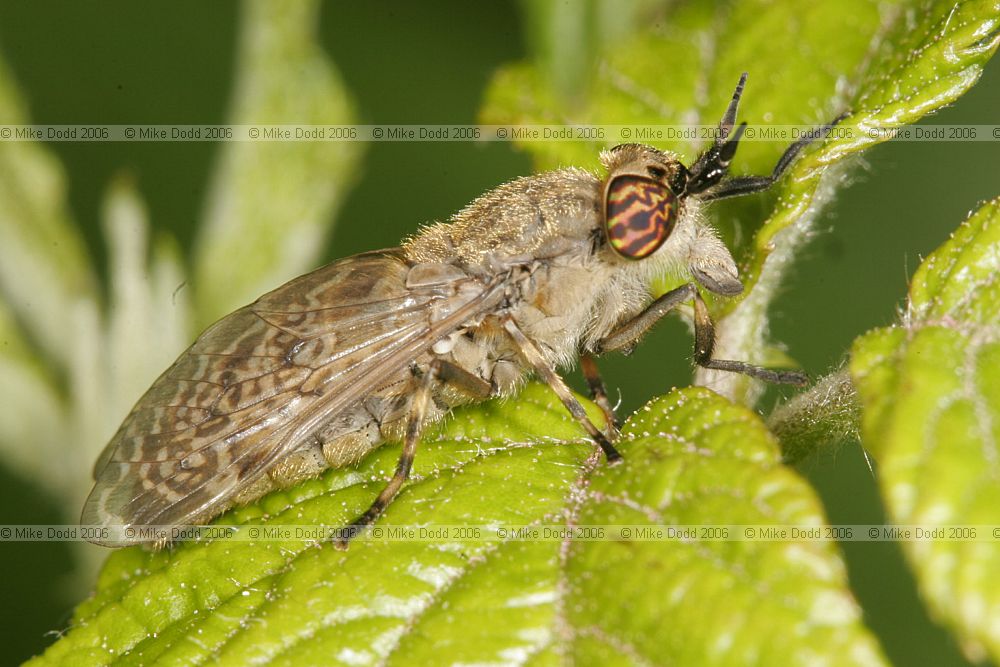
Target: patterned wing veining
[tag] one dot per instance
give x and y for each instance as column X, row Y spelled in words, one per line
column 262, row 379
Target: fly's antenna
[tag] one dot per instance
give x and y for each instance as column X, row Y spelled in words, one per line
column 729, row 118
column 713, row 165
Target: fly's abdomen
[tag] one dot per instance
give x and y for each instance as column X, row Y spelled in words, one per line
column 345, row 440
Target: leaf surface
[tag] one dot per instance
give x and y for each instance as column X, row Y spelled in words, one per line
column 931, row 419
column 270, row 202
column 691, row 458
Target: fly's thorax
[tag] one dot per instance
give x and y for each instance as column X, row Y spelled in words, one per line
column 541, row 216
column 555, row 299
column 546, row 236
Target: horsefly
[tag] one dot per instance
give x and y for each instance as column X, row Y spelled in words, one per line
column 374, row 347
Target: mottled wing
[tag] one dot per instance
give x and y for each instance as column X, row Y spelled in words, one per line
column 262, row 379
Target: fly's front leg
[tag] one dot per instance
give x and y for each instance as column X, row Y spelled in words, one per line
column 414, row 427
column 530, row 352
column 598, row 392
column 704, row 341
column 625, row 337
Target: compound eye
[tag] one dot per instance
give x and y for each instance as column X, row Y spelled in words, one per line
column 639, row 215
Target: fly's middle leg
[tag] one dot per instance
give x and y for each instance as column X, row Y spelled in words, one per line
column 598, row 392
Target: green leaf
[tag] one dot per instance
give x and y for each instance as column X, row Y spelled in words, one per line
column 147, row 315
column 32, row 410
column 887, row 63
column 45, row 269
column 691, row 458
column 931, row 418
column 271, row 203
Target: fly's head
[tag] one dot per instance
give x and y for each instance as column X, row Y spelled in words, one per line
column 641, row 201
column 652, row 222
column 651, row 202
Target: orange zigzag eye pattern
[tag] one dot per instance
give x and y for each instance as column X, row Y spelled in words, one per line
column 639, row 215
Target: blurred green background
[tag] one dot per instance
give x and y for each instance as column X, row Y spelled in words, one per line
column 406, row 63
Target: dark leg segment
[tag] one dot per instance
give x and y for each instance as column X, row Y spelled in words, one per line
column 625, row 337
column 704, row 342
column 598, row 393
column 414, row 427
column 459, row 377
column 534, row 356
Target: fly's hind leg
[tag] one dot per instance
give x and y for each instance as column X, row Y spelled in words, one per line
column 414, row 427
column 444, row 371
column 626, row 336
column 463, row 379
column 530, row 352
